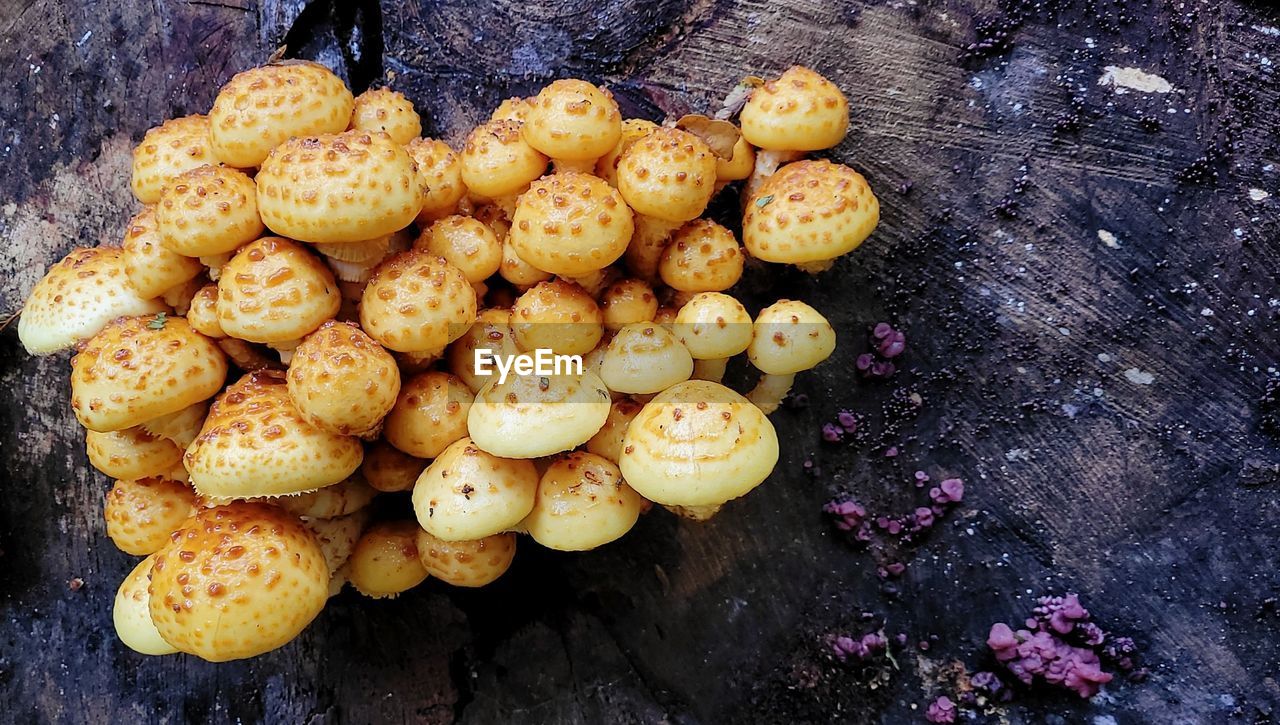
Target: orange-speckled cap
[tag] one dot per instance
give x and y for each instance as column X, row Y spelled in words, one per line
column 167, row 150
column 275, row 290
column 417, row 302
column 472, row 563
column 799, row 111
column 571, row 224
column 132, row 453
column 388, row 111
column 208, row 210
column 468, row 494
column 141, row 514
column 341, row 380
column 441, row 173
column 152, row 267
column 574, row 120
column 430, row 414
column 385, row 560
column 582, row 503
column 809, row 211
column 669, row 174
column 497, row 161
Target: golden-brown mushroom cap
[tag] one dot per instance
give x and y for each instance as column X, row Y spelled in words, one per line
column 633, row 129
column 203, row 313
column 466, row 243
column 388, row 111
column 139, row 368
column 417, row 302
column 582, row 503
column 497, row 161
column 341, row 499
column 77, row 297
column 152, row 267
column 389, row 469
column 570, row 224
column 645, row 357
column 140, row 514
column 344, row 187
column 511, row 109
column 132, row 453
column 558, row 316
column 429, row 414
column 208, row 210
column 167, row 150
column 467, row 494
column 573, row 120
column 131, row 613
column 529, row 416
column 256, row 443
column 698, row 443
column 275, row 290
column 702, row 256
column 491, row 331
column 237, row 581
column 467, row 563
column 800, row 111
column 809, row 211
column 261, row 108
column 627, row 301
column 385, row 561
column 441, row 173
column 739, row 165
column 607, row 443
column 668, row 174
column 790, row 337
column 516, row 270
column 341, row 380
column 713, row 325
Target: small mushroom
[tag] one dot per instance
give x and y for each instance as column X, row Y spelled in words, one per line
column 175, row 146
column 582, row 503
column 388, row 111
column 511, row 109
column 429, row 414
column 340, row 380
column 498, row 164
column 388, row 469
column 152, row 267
column 346, row 497
column 466, row 243
column 384, row 563
column 131, row 613
column 714, row 327
column 467, row 563
column 140, row 514
column 800, row 111
column 491, row 331
column 738, row 166
column 530, row 416
column 607, row 443
column 645, row 358
column 702, row 256
column 208, row 210
column 669, row 174
column 441, row 172
column 202, row 315
column 276, row 292
column 628, row 301
column 468, row 494
column 559, row 316
column 417, row 302
column 571, row 224
column 133, row 453
column 788, row 337
column 573, row 122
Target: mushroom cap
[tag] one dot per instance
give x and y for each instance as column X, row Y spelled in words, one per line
column 467, row 494
column 669, row 174
column 345, row 497
column 790, row 337
column 385, row 560
column 491, row 331
column 645, row 357
column 153, row 268
column 208, row 210
column 809, row 211
column 275, row 290
column 261, row 108
column 389, row 469
column 529, row 416
column 341, row 380
column 337, row 537
column 202, row 315
column 573, row 120
column 582, row 503
column 607, row 443
column 466, row 243
column 132, row 453
column 516, row 270
column 570, row 224
column 497, row 161
column 702, row 256
column 511, row 109
column 139, row 368
column 140, row 514
column 441, row 172
column 131, row 613
column 467, row 563
column 429, row 414
column 713, row 326
column 698, row 443
column 558, row 316
column 388, row 111
column 167, row 150
column 417, row 302
column 256, row 443
column 344, row 187
column 633, row 129
column 800, row 111
column 626, row 301
column 237, row 581
column 77, row 297
column 739, row 165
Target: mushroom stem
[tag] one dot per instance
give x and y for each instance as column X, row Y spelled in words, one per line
column 561, row 166
column 180, row 296
column 215, row 263
column 350, row 271
column 816, row 267
column 767, row 163
column 647, row 243
column 285, row 348
column 696, row 513
column 768, row 393
column 712, row 370
column 245, row 356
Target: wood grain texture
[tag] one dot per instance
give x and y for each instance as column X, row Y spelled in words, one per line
column 996, row 172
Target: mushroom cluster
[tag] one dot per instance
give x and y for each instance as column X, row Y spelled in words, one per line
column 293, row 324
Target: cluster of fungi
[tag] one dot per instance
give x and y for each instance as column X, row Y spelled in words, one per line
column 350, row 269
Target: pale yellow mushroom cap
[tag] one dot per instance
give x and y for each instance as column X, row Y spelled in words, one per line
column 441, row 173
column 529, row 416
column 468, row 494
column 132, row 453
column 237, row 581
column 800, row 111
column 167, row 150
column 208, row 210
column 77, row 297
column 152, row 267
column 261, row 108
column 790, row 337
column 608, row 441
column 203, row 313
column 645, row 357
column 139, row 368
column 573, row 120
column 668, row 174
column 385, row 562
column 345, row 187
column 582, row 503
column 467, row 563
column 571, row 224
column 466, row 243
column 417, row 302
column 739, row 165
column 341, row 380
column 256, row 443
column 388, row 469
column 633, row 129
column 429, row 414
column 696, row 444
column 627, row 301
column 131, row 613
column 714, row 325
column 388, row 111
column 702, row 256
column 491, row 331
column 558, row 316
column 809, row 211
column 275, row 290
column 497, row 161
column 140, row 514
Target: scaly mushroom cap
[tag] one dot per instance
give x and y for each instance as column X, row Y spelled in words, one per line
column 698, row 443
column 139, row 368
column 809, row 211
column 429, row 414
column 140, row 514
column 511, row 109
column 713, row 326
column 702, row 256
column 573, row 120
column 345, row 187
column 385, row 561
column 274, row 290
column 608, row 442
column 337, row 537
column 77, row 297
column 261, row 108
column 558, row 316
column 389, row 469
column 417, row 302
column 167, row 150
column 529, row 416
column 237, row 581
column 468, row 494
column 132, row 453
column 345, row 497
column 738, row 166
column 208, row 210
column 633, row 129
column 668, row 174
column 203, row 313
column 491, row 331
column 645, row 357
column 467, row 563
column 570, row 224
column 441, row 172
column 255, row 443
column 388, row 111
column 131, row 613
column 497, row 161
column 466, row 243
column 790, row 337
column 518, row 272
column 341, row 380
column 153, row 268
column 582, row 503
column 800, row 111
column 627, row 301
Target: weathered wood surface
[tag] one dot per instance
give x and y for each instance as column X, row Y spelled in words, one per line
column 996, row 171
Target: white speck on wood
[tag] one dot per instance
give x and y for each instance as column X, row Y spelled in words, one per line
column 1123, row 80
column 1108, row 239
column 1139, row 377
column 1258, row 195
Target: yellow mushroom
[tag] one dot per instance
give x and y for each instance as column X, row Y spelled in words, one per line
column 385, row 563
column 133, row 453
column 341, row 380
column 388, row 111
column 152, row 267
column 208, row 210
column 574, row 123
column 582, row 503
column 388, row 469
column 645, row 357
column 669, row 174
column 467, row 494
column 627, row 301
column 140, row 514
column 633, row 129
column 799, row 111
column 570, row 224
column 702, row 256
column 175, row 146
column 441, row 172
column 559, row 316
column 607, row 442
column 131, row 613
column 417, row 302
column 429, row 414
column 467, row 563
column 788, row 337
column 491, row 331
column 275, row 291
column 498, row 164
column 346, row 497
column 714, row 327
column 466, row 243
column 530, row 416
